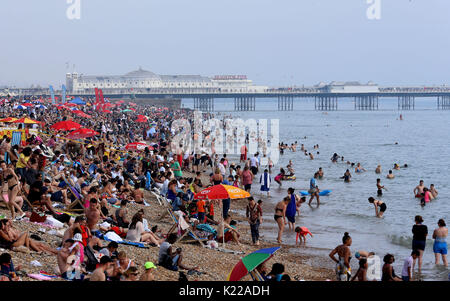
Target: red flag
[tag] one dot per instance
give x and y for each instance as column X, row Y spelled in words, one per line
column 96, row 95
column 102, row 100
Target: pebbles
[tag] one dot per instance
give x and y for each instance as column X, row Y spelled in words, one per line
column 215, row 264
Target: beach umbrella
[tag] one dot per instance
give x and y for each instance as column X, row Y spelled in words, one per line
column 82, row 133
column 41, row 107
column 107, row 111
column 67, row 125
column 21, row 107
column 133, row 109
column 84, row 115
column 27, row 104
column 127, row 110
column 26, row 121
column 221, row 192
column 8, row 119
column 250, row 262
column 138, row 146
column 142, row 118
column 70, row 104
column 78, row 101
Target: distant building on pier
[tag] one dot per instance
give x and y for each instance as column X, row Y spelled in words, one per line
column 348, row 87
column 143, row 81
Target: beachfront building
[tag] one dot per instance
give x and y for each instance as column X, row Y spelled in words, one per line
column 143, row 81
column 348, row 87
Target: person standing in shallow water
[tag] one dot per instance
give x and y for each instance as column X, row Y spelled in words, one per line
column 440, row 242
column 420, row 233
column 343, row 269
column 347, row 176
column 380, row 188
column 291, row 209
column 378, row 203
column 280, row 216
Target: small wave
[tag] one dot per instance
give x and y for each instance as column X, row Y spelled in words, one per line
column 400, row 240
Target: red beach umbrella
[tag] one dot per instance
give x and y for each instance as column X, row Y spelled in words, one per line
column 67, row 125
column 82, row 133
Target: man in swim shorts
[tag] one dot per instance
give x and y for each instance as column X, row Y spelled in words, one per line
column 419, row 189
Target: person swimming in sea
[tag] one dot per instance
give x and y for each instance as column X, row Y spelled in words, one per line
column 378, row 169
column 359, row 168
column 390, row 175
column 334, row 158
column 426, row 197
column 396, row 166
column 378, row 204
column 380, row 188
column 320, row 173
column 433, row 191
column 347, row 176
column 418, row 191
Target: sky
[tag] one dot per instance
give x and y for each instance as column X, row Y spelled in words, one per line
column 273, row 42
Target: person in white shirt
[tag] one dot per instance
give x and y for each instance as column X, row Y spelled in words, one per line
column 254, row 163
column 407, row 266
column 222, row 167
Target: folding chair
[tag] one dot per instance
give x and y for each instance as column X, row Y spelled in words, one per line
column 78, row 198
column 188, row 231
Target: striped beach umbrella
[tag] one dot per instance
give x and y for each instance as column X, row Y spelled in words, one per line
column 250, row 262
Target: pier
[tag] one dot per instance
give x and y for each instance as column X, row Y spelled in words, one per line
column 247, row 101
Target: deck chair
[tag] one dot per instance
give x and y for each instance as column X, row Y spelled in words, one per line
column 78, row 198
column 187, row 230
column 16, row 138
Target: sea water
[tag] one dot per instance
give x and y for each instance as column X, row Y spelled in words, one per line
column 367, row 137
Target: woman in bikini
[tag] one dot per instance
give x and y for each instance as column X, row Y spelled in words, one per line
column 343, row 269
column 11, row 180
column 280, row 216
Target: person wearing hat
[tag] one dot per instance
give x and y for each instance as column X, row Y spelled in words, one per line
column 100, row 272
column 148, row 274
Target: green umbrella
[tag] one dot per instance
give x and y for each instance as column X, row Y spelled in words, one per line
column 127, row 110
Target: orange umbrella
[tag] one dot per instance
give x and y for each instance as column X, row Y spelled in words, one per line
column 221, row 192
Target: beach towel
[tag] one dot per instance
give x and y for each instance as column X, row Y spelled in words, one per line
column 291, row 209
column 265, row 181
column 40, row 277
column 130, row 243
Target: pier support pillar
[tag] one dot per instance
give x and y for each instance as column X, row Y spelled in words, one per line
column 204, row 104
column 285, row 103
column 367, row 102
column 244, row 103
column 443, row 102
column 406, row 102
column 326, row 103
